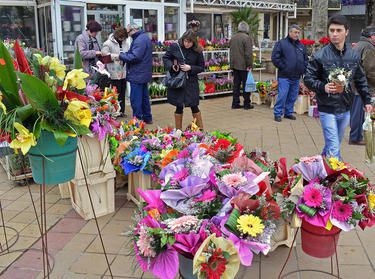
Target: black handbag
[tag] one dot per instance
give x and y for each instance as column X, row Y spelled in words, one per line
column 175, row 80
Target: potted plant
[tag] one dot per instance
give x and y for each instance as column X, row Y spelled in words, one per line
column 43, row 115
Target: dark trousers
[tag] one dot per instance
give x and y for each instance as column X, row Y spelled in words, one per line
column 140, row 101
column 357, row 117
column 121, row 89
column 239, row 77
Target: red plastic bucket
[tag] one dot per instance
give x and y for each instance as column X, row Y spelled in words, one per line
column 317, row 241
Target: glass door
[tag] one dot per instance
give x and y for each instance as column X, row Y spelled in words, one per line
column 71, row 24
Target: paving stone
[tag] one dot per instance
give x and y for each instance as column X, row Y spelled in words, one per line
column 79, row 242
column 112, row 244
column 20, row 273
column 91, row 263
column 69, row 225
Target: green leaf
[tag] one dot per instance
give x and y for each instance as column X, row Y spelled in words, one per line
column 60, row 137
column 24, row 112
column 77, row 59
column 8, row 79
column 38, row 93
column 164, row 240
column 37, row 128
column 171, row 240
column 345, row 176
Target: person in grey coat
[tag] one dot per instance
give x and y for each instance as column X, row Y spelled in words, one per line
column 88, row 46
column 116, row 43
column 241, row 61
column 366, row 49
column 185, row 55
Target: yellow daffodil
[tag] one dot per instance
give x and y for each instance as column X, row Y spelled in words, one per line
column 55, row 65
column 79, row 113
column 24, row 139
column 76, row 79
column 250, row 224
column 371, row 201
column 336, row 164
column 232, row 263
column 2, row 106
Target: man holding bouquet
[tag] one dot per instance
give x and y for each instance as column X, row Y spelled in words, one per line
column 330, row 73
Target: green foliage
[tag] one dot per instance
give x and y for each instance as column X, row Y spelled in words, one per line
column 8, row 79
column 77, row 59
column 250, row 17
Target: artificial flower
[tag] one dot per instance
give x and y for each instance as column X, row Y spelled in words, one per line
column 232, row 263
column 336, row 164
column 313, row 197
column 78, row 112
column 54, row 64
column 24, row 139
column 75, row 78
column 250, row 224
column 341, row 211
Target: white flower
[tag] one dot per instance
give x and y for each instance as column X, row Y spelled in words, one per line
column 341, row 78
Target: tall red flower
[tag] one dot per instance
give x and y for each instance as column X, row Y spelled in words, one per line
column 215, row 266
column 325, row 40
column 21, row 59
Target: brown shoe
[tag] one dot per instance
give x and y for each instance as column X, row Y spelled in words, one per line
column 178, row 120
column 360, row 142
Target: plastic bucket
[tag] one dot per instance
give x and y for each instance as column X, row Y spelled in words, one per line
column 59, row 161
column 186, row 268
column 317, row 241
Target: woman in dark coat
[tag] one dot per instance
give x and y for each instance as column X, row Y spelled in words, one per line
column 187, row 96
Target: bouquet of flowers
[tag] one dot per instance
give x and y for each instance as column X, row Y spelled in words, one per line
column 340, row 77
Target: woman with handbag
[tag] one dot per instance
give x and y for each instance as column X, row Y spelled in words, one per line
column 116, row 43
column 184, row 61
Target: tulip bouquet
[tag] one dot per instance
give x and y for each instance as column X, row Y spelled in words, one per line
column 45, row 101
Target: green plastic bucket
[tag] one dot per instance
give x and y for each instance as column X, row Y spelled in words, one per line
column 59, row 161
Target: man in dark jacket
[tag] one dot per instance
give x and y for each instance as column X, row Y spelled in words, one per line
column 241, row 61
column 334, row 101
column 366, row 50
column 290, row 57
column 138, row 60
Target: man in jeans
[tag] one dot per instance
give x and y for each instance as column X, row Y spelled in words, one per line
column 366, row 49
column 334, row 102
column 138, row 61
column 241, row 61
column 290, row 57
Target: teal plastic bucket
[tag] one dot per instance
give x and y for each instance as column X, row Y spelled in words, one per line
column 59, row 161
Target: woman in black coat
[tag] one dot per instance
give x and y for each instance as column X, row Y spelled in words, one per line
column 190, row 61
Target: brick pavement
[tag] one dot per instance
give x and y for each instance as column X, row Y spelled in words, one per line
column 74, row 243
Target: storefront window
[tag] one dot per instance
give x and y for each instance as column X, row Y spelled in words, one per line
column 171, row 1
column 147, row 19
column 334, row 4
column 45, row 30
column 205, row 26
column 72, row 26
column 171, row 23
column 18, row 23
column 101, row 7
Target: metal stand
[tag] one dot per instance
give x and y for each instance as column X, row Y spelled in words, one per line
column 310, row 270
column 4, row 247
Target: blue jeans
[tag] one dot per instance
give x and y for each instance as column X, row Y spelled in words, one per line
column 357, row 117
column 333, row 126
column 140, row 101
column 287, row 95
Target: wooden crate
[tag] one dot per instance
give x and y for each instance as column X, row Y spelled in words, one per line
column 15, row 174
column 255, row 98
column 95, row 157
column 102, row 190
column 283, row 235
column 64, row 190
column 138, row 180
column 302, row 104
column 121, row 180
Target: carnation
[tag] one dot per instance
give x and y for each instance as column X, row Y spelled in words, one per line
column 234, row 179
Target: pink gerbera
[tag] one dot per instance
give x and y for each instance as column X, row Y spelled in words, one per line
column 234, row 179
column 341, row 211
column 312, row 197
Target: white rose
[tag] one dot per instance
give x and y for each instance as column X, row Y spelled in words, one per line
column 341, row 78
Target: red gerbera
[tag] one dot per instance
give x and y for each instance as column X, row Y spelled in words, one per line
column 215, row 266
column 341, row 211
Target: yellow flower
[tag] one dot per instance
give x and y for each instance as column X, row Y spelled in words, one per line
column 76, row 79
column 24, row 139
column 250, row 224
column 45, row 60
column 79, row 113
column 233, row 262
column 2, row 106
column 336, row 164
column 371, row 201
column 38, row 57
column 54, row 64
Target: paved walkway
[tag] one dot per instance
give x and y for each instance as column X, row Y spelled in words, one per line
column 74, row 243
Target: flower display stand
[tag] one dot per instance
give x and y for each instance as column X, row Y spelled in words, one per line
column 255, row 98
column 138, row 180
column 102, row 189
column 121, row 180
column 95, row 157
column 282, row 236
column 16, row 167
column 302, row 104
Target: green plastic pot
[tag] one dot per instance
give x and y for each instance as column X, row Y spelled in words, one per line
column 59, row 161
